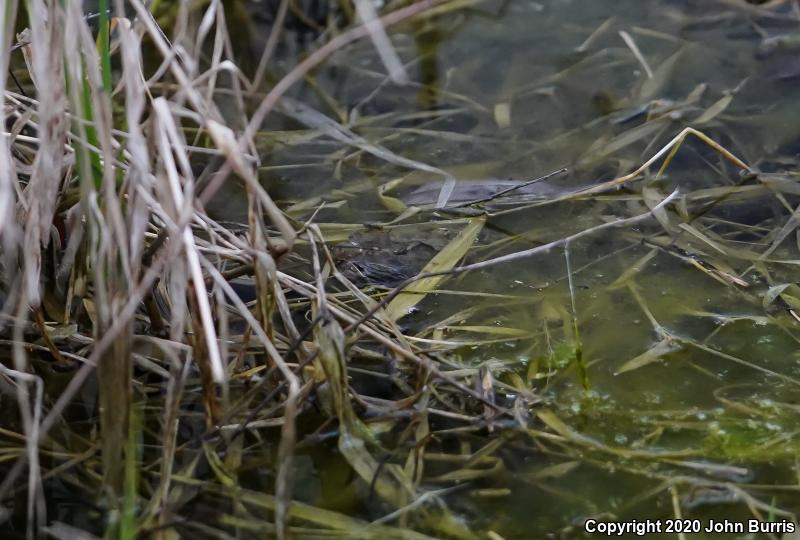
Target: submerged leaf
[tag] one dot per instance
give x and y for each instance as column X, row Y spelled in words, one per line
column 773, row 293
column 445, row 260
column 655, row 84
column 715, row 110
column 393, row 204
column 654, row 354
column 624, row 139
column 633, row 270
column 554, row 471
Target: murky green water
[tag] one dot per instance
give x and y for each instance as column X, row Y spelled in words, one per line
column 703, row 420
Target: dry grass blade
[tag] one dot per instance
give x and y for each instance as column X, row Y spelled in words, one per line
column 600, row 30
column 168, row 139
column 626, row 37
column 377, row 33
column 669, row 150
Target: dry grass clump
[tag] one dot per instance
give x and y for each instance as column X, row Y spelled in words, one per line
column 113, row 274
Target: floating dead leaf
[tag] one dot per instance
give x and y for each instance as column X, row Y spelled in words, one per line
column 502, row 115
column 490, row 330
column 554, row 471
column 654, row 354
column 714, row 110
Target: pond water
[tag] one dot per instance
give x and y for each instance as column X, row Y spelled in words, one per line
column 653, row 369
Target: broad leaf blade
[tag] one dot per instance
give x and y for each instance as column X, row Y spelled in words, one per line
column 445, row 260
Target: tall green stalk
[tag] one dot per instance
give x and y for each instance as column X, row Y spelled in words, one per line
column 103, row 45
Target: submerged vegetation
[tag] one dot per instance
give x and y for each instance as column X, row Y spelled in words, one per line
column 273, row 270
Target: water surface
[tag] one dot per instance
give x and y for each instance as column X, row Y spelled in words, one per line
column 654, row 369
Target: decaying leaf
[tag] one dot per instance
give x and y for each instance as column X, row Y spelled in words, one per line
column 654, row 354
column 445, row 260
